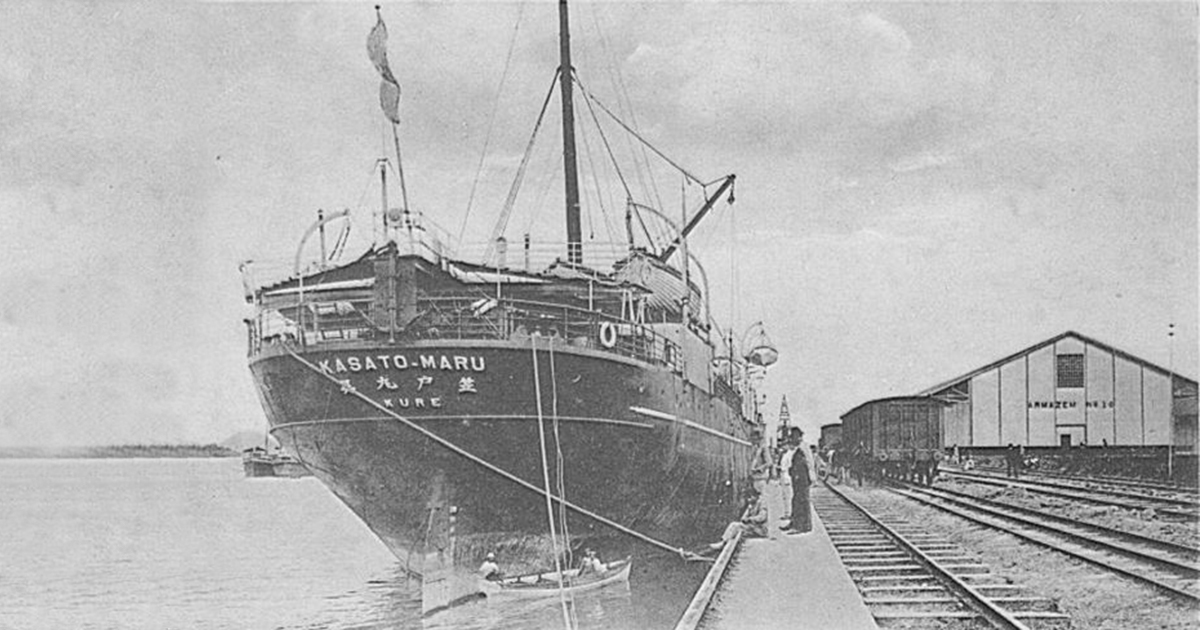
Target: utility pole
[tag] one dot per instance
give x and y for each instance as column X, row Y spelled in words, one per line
column 1171, row 401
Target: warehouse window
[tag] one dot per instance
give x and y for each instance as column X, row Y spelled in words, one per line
column 1070, row 371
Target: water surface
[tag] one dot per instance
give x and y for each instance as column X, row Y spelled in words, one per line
column 192, row 543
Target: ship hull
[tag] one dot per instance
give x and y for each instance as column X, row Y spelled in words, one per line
column 639, row 446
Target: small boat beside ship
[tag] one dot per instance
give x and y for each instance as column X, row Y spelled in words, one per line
column 259, row 462
column 549, row 584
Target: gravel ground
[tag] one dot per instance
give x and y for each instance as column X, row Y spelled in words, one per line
column 1095, row 599
column 1146, row 523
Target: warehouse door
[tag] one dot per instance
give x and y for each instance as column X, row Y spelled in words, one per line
column 1069, row 436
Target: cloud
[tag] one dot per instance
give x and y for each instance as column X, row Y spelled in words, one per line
column 851, row 85
column 921, row 161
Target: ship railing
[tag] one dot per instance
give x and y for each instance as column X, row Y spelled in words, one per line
column 474, row 317
column 461, row 317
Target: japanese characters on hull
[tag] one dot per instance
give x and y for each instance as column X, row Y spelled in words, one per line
column 413, row 381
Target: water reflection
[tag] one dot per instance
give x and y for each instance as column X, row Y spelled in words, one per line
column 597, row 609
column 659, row 589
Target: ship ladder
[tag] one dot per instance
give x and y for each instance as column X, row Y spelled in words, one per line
column 348, row 388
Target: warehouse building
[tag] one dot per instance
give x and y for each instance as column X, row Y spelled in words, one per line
column 1067, row 391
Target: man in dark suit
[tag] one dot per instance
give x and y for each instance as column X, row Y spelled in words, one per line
column 800, row 473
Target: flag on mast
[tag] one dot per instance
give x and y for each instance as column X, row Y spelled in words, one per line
column 389, row 88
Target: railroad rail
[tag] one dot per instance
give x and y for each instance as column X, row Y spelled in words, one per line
column 908, row 576
column 1169, row 494
column 1106, row 480
column 1169, row 568
column 1174, row 507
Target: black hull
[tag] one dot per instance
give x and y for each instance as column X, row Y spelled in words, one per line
column 258, row 469
column 624, row 457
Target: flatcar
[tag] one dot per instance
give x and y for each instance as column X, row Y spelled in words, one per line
column 899, row 437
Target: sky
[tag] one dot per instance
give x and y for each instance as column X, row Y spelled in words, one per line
column 922, row 188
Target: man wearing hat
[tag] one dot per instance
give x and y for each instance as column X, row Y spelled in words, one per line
column 591, row 563
column 489, row 570
column 801, row 477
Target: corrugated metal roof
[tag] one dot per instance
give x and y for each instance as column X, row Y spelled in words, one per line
column 917, row 398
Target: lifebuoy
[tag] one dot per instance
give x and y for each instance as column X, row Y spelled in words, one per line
column 608, row 334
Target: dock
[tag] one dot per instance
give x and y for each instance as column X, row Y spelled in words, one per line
column 795, row 582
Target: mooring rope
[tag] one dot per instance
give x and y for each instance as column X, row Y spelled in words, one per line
column 347, row 388
column 562, row 577
column 560, row 485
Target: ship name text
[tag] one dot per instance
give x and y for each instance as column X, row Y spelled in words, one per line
column 459, row 363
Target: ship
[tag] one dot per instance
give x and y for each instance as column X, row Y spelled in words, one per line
column 259, row 462
column 463, row 406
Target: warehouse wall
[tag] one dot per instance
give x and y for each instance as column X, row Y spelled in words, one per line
column 1041, row 418
column 1070, row 389
column 956, row 425
column 1100, row 400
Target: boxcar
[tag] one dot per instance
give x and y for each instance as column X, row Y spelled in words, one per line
column 902, row 436
column 831, row 437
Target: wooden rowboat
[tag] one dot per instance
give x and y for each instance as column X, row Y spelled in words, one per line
column 547, row 584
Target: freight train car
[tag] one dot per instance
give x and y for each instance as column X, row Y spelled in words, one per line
column 831, row 437
column 902, row 436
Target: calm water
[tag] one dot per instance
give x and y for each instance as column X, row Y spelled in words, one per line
column 193, row 544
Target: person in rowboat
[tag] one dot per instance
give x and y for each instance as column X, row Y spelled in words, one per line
column 489, row 570
column 591, row 564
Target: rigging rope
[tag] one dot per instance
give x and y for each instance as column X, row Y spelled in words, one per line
column 559, row 467
column 347, row 388
column 640, row 138
column 615, row 166
column 511, row 199
column 607, row 147
column 597, row 191
column 512, row 43
column 400, row 168
column 626, row 105
column 339, row 245
column 562, row 578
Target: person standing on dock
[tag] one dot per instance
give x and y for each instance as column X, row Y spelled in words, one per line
column 760, row 465
column 785, row 477
column 858, row 463
column 801, row 474
column 1012, row 457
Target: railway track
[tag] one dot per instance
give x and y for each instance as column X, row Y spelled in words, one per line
column 1168, row 567
column 1172, row 507
column 1126, row 483
column 912, row 579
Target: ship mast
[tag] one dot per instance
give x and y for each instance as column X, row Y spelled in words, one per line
column 570, row 169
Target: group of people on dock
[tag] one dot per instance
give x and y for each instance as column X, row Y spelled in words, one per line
column 854, row 465
column 797, row 474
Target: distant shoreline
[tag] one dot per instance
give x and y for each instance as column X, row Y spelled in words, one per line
column 124, row 451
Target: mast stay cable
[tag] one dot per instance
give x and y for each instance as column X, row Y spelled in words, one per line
column 598, row 189
column 512, row 43
column 511, row 199
column 635, row 134
column 626, row 105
